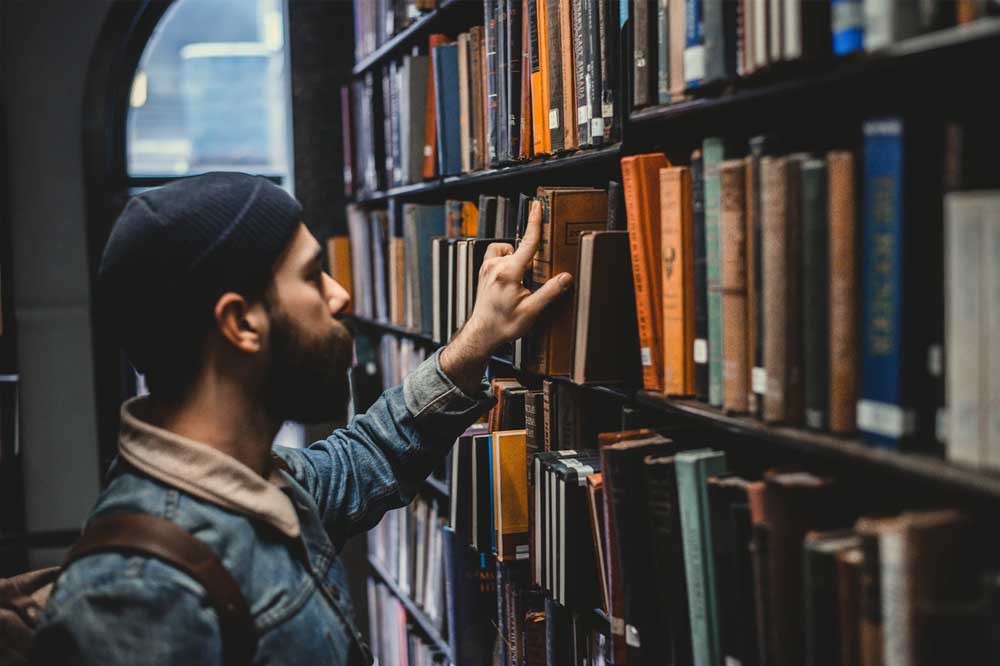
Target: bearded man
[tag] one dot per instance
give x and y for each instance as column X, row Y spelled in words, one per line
column 218, row 293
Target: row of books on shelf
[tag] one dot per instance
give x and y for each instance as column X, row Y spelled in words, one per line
column 804, row 289
column 680, row 46
column 537, row 78
column 393, row 639
column 377, row 21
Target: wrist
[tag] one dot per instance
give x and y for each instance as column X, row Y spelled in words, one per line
column 465, row 358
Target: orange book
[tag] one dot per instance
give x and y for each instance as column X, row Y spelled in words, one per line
column 430, row 115
column 570, row 139
column 640, row 181
column 678, row 280
column 338, row 252
column 510, row 494
column 540, row 83
column 470, row 218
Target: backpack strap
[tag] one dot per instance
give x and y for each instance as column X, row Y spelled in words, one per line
column 165, row 540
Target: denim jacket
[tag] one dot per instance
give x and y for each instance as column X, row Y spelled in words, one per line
column 278, row 537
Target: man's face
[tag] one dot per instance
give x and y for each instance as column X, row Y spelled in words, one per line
column 310, row 349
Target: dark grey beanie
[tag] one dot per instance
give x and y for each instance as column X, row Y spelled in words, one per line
column 175, row 249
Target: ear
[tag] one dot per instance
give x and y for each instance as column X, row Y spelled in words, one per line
column 242, row 324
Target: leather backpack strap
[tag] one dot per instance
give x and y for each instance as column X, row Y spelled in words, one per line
column 165, row 540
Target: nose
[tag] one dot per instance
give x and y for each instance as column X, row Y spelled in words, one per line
column 336, row 296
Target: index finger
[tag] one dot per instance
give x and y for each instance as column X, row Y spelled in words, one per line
column 532, row 236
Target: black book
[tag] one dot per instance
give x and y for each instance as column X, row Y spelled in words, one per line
column 501, row 597
column 512, row 409
column 503, row 129
column 611, row 81
column 514, row 65
column 592, row 26
column 720, row 39
column 669, row 577
column 581, row 57
column 534, row 423
column 463, row 501
column 643, row 53
column 616, row 207
column 469, row 626
column 487, row 216
column 482, row 528
column 490, row 39
column 558, row 634
column 577, row 584
column 700, row 276
column 556, row 121
column 732, row 534
column 387, row 127
column 815, row 289
column 822, row 621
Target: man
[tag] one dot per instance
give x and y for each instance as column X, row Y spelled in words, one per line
column 219, row 295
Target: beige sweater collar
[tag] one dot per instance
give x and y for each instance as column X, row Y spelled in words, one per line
column 202, row 471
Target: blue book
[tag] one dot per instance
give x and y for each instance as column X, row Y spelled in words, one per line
column 847, row 25
column 694, row 43
column 448, row 111
column 421, row 224
column 693, row 470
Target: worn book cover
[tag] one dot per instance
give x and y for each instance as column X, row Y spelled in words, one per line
column 678, row 281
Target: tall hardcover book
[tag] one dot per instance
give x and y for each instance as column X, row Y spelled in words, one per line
column 591, row 11
column 567, row 70
column 662, row 52
column 677, row 39
column 413, row 103
column 510, row 494
column 843, row 296
column 604, row 310
column 581, row 60
column 514, row 50
column 566, row 213
column 733, row 283
column 464, row 104
column 526, row 141
column 423, row 223
column 815, row 273
column 446, row 90
column 643, row 53
column 693, row 470
column 609, row 12
column 756, row 322
column 640, row 175
column 501, row 82
column 430, row 169
column 347, row 137
column 720, row 26
column 477, row 97
column 539, row 77
column 694, row 43
column 713, row 153
column 678, row 281
column 492, row 99
column 901, row 285
column 699, row 351
column 823, row 636
column 553, row 49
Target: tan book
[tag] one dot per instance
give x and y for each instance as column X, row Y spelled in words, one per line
column 510, row 494
column 570, row 138
column 843, row 315
column 526, row 145
column 678, row 18
column 677, row 249
column 566, row 214
column 476, row 97
column 464, row 104
column 338, row 252
column 397, row 280
column 735, row 353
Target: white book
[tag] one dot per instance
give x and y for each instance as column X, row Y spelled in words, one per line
column 990, row 367
column 461, row 288
column 792, row 37
column 436, row 332
column 775, row 40
column 759, row 46
column 888, row 21
column 450, row 302
column 896, row 591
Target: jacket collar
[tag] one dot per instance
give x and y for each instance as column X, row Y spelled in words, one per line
column 202, row 471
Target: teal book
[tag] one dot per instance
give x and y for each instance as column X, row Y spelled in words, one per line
column 693, row 470
column 422, row 224
column 713, row 152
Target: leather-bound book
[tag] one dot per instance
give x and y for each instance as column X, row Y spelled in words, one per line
column 476, row 97
column 760, row 561
column 820, row 578
column 492, row 99
column 815, row 280
column 700, row 350
column 604, row 311
column 581, row 58
column 849, row 609
column 643, row 53
column 713, row 154
column 553, row 50
column 338, row 252
column 526, row 146
column 430, row 169
column 870, row 626
column 756, row 324
column 640, row 176
column 735, row 371
column 464, row 103
column 732, row 535
column 843, row 298
column 678, row 280
column 566, row 214
column 567, row 71
column 512, row 93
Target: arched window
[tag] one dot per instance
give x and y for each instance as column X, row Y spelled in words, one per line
column 212, row 93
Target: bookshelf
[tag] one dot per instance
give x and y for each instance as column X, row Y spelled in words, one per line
column 418, row 616
column 814, row 105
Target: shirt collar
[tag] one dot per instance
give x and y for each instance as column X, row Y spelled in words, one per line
column 202, row 471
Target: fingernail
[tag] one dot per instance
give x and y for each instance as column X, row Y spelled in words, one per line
column 565, row 280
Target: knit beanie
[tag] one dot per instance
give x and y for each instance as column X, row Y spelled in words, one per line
column 175, row 249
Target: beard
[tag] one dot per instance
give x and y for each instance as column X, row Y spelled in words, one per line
column 308, row 375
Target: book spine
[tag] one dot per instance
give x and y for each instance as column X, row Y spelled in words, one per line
column 791, row 24
column 733, row 281
column 347, row 138
column 990, row 368
column 490, row 37
column 677, row 274
column 464, row 110
column 581, row 45
column 699, row 350
column 694, row 44
column 526, row 145
column 713, row 153
column 843, row 308
column 555, row 79
column 610, row 36
column 715, row 40
column 593, row 67
column 678, row 42
column 539, row 119
column 568, row 75
column 662, row 52
column 883, row 416
column 644, row 14
column 774, row 278
column 815, row 282
column 503, row 143
column 514, row 78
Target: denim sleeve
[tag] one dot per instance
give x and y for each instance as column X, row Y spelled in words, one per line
column 157, row 618
column 380, row 459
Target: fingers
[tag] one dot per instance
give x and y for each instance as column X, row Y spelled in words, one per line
column 498, row 250
column 532, row 236
column 548, row 292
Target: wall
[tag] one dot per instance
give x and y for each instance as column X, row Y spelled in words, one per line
column 47, row 45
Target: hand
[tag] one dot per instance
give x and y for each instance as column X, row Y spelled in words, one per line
column 504, row 308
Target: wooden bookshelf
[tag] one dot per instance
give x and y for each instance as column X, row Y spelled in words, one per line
column 419, row 617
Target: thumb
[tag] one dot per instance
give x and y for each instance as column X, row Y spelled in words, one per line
column 553, row 288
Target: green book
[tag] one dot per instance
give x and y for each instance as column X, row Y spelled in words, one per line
column 713, row 151
column 693, row 470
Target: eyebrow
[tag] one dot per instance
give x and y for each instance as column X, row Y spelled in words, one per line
column 317, row 258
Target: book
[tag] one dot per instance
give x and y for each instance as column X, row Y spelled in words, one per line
column 526, row 139
column 413, row 102
column 464, row 104
column 338, row 252
column 582, row 30
column 553, row 49
column 887, row 22
column 713, row 154
column 567, row 71
column 477, row 97
column 643, row 53
column 609, row 13
column 842, row 297
column 699, row 351
column 662, row 52
column 847, row 26
column 510, row 494
column 595, row 512
column 694, row 43
column 640, row 179
column 430, row 168
column 539, row 77
column 604, row 310
column 677, row 42
column 756, row 323
column 513, row 54
column 734, row 286
column 677, row 252
column 448, row 111
column 347, row 139
column 490, row 38
column 720, row 33
column 815, row 272
column 821, row 552
column 566, row 213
